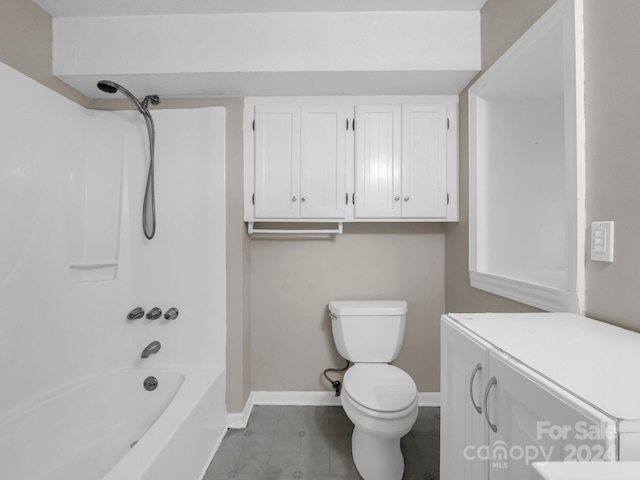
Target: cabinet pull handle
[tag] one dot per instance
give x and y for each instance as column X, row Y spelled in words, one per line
column 294, row 198
column 304, row 199
column 346, row 195
column 406, row 199
column 473, row 376
column 491, row 383
column 397, row 197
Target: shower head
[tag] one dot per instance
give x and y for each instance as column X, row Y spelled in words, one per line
column 112, row 87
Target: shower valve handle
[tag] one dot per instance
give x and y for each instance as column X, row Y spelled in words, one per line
column 154, row 313
column 135, row 314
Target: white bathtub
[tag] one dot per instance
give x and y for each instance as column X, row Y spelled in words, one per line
column 85, row 431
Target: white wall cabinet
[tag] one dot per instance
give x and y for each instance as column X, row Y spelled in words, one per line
column 299, row 162
column 499, row 415
column 351, row 159
column 401, row 161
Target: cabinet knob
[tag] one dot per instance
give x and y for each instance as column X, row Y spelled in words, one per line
column 304, row 199
column 406, row 199
column 294, row 198
column 397, row 198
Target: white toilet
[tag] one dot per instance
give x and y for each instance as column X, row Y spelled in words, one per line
column 381, row 400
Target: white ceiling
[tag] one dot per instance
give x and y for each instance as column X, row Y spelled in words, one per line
column 93, row 8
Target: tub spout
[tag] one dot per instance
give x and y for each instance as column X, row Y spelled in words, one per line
column 153, row 347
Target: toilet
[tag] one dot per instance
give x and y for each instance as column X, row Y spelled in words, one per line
column 380, row 399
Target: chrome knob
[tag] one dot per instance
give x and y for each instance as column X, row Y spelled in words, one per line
column 154, row 313
column 397, row 198
column 406, row 199
column 294, row 199
column 172, row 314
column 135, row 314
column 304, row 199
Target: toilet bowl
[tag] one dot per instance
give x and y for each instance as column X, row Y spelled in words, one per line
column 380, row 399
column 382, row 402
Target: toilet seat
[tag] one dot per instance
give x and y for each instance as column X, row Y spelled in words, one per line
column 380, row 388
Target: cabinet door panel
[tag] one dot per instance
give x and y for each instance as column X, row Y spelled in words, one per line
column 462, row 427
column 277, row 162
column 536, row 422
column 378, row 167
column 322, row 162
column 424, row 161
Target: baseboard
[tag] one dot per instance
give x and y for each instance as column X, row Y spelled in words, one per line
column 317, row 398
column 429, row 399
column 239, row 420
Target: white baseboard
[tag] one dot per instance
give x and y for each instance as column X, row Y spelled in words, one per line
column 239, row 420
column 429, row 399
column 321, row 398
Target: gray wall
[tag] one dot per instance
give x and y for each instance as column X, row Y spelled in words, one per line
column 25, row 45
column 612, row 64
column 294, row 280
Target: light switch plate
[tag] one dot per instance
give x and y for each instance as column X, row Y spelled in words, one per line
column 602, row 241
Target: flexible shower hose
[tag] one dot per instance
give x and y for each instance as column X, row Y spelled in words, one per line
column 149, row 204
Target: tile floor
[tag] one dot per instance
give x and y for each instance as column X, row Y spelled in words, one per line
column 314, row 443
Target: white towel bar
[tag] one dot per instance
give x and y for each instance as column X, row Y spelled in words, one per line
column 336, row 231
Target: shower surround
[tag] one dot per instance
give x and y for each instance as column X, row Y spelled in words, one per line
column 74, row 260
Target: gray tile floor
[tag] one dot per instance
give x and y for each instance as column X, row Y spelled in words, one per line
column 314, row 443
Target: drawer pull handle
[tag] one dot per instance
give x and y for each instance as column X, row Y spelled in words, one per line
column 491, row 383
column 473, row 376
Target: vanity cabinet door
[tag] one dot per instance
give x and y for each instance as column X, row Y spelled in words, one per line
column 532, row 420
column 463, row 430
column 277, row 162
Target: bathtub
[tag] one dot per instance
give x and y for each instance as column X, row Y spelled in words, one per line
column 108, row 427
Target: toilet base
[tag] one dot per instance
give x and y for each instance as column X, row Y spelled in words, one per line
column 376, row 458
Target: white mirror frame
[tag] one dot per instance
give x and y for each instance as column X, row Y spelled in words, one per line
column 568, row 14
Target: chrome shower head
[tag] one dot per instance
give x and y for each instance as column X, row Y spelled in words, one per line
column 112, row 87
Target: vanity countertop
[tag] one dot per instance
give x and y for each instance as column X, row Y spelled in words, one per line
column 587, row 470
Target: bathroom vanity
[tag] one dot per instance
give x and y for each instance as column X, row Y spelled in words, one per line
column 541, row 387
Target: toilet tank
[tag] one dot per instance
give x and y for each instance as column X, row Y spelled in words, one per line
column 368, row 331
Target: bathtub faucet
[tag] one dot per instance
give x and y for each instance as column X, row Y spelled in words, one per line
column 153, row 347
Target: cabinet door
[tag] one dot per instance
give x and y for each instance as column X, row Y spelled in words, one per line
column 462, row 425
column 277, row 162
column 535, row 421
column 424, row 161
column 378, row 168
column 322, row 162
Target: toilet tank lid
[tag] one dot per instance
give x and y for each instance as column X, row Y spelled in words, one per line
column 368, row 307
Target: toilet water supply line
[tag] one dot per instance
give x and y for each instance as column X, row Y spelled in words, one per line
column 335, row 384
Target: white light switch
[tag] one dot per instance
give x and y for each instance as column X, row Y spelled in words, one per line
column 602, row 241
